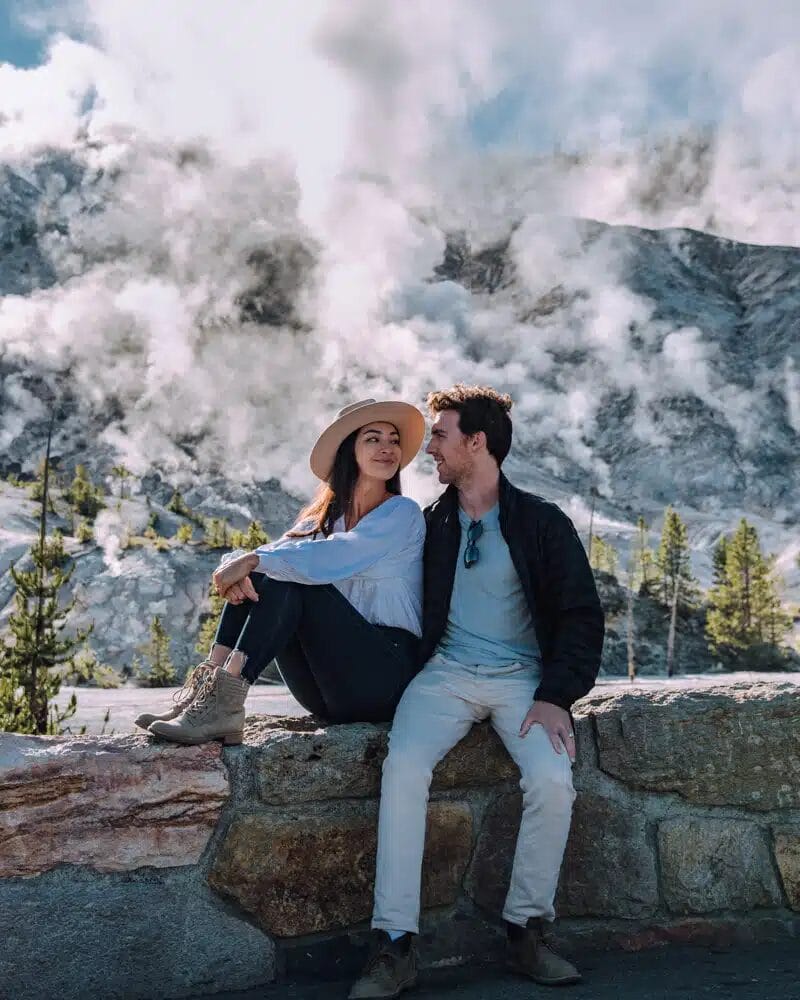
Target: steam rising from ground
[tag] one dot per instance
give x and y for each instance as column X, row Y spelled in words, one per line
column 307, row 160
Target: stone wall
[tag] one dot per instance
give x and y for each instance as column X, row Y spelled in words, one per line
column 134, row 869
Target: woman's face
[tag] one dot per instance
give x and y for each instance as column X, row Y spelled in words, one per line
column 378, row 450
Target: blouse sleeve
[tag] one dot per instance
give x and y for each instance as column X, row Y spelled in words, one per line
column 343, row 554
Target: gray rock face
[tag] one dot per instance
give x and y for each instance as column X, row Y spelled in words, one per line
column 119, row 589
column 300, row 763
column 610, row 863
column 142, row 938
column 300, row 871
column 666, row 743
column 787, row 856
column 108, row 804
column 715, row 864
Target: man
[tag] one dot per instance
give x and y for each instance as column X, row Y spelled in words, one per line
column 512, row 632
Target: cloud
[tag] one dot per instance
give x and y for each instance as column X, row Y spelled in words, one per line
column 309, row 161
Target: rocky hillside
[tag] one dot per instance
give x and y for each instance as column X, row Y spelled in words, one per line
column 652, row 367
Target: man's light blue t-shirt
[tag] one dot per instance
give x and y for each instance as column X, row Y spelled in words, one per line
column 489, row 623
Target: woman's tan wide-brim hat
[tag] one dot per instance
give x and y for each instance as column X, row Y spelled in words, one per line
column 408, row 420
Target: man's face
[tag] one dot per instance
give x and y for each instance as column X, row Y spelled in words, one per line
column 448, row 448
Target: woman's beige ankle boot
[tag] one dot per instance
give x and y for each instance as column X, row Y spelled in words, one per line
column 183, row 698
column 217, row 713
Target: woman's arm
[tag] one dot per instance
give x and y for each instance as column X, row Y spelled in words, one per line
column 343, row 554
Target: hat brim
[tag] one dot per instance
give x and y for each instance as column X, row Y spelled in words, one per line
column 408, row 420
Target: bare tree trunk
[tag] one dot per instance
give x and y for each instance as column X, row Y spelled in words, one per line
column 631, row 636
column 671, row 634
column 39, row 710
column 593, row 493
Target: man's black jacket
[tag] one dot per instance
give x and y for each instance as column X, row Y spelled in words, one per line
column 555, row 575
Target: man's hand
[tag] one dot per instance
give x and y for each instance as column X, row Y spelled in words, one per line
column 232, row 581
column 556, row 723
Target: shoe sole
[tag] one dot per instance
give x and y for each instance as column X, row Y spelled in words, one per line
column 407, row 985
column 541, row 980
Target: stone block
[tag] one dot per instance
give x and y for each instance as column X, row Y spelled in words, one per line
column 735, row 745
column 593, row 881
column 786, row 842
column 73, row 935
column 111, row 803
column 295, row 761
column 301, row 871
column 715, row 864
column 490, row 869
column 609, row 865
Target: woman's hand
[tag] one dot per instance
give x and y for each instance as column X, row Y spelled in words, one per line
column 232, row 581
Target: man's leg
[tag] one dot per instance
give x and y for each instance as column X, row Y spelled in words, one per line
column 547, row 797
column 435, row 712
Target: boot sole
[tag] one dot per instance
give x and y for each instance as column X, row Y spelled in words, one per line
column 542, row 980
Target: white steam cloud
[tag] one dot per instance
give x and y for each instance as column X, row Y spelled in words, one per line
column 315, row 155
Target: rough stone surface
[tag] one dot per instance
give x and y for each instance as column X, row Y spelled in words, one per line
column 715, row 864
column 300, row 871
column 787, row 854
column 112, row 804
column 609, row 865
column 297, row 762
column 490, row 870
column 68, row 936
column 593, row 879
column 732, row 745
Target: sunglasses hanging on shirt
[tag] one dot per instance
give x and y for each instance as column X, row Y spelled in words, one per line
column 471, row 554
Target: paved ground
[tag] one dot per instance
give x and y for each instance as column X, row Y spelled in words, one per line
column 769, row 972
column 126, row 703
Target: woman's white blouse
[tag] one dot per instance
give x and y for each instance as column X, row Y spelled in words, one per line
column 377, row 565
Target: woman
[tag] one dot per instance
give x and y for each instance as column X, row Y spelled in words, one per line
column 337, row 601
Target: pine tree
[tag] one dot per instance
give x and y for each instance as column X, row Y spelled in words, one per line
column 84, row 497
column 643, row 568
column 121, row 473
column 177, row 505
column 604, row 556
column 184, row 533
column 156, row 651
column 217, row 536
column 673, row 565
column 84, row 532
column 718, row 560
column 745, row 609
column 28, row 679
column 250, row 539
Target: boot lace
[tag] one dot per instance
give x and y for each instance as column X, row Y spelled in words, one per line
column 205, row 696
column 194, row 680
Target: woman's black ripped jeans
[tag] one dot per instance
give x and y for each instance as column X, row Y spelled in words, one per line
column 336, row 664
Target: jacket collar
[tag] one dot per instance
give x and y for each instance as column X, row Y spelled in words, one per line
column 506, row 491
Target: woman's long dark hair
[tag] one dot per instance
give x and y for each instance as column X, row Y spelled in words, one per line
column 335, row 496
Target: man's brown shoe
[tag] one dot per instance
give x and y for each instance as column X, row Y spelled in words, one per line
column 392, row 969
column 530, row 955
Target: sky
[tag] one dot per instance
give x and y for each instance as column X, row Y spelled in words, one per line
column 19, row 44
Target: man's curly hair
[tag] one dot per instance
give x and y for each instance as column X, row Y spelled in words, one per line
column 479, row 408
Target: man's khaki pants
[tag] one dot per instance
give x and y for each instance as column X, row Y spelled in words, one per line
column 437, row 710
